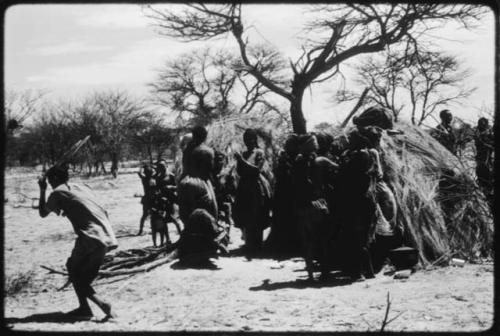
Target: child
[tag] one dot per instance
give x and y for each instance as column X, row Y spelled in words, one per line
column 148, row 183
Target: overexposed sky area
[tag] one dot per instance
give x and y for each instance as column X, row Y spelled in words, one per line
column 72, row 50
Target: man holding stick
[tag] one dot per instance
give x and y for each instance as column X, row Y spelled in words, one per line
column 95, row 235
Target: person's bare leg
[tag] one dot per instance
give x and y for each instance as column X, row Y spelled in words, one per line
column 103, row 305
column 141, row 224
column 84, row 308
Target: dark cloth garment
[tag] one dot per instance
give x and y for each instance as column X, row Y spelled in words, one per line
column 313, row 200
column 195, row 193
column 84, row 263
column 89, row 219
column 284, row 236
column 356, row 206
column 446, row 137
column 200, row 232
column 198, row 207
column 252, row 203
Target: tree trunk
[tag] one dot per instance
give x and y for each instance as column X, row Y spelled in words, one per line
column 296, row 113
column 114, row 165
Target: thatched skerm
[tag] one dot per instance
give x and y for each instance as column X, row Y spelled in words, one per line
column 440, row 208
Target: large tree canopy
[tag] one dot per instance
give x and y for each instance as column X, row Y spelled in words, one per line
column 340, row 32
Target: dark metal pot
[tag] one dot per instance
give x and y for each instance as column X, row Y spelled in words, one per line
column 403, row 257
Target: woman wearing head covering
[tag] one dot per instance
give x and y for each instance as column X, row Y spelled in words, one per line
column 198, row 207
column 253, row 195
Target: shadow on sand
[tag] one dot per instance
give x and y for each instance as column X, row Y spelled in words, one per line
column 53, row 317
column 331, row 281
column 206, row 264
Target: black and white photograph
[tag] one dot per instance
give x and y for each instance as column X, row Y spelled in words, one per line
column 249, row 167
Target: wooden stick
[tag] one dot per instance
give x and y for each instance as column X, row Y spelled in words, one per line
column 144, row 268
column 51, row 270
column 384, row 322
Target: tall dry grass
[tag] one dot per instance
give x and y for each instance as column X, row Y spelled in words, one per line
column 441, row 207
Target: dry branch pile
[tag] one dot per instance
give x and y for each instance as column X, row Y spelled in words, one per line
column 132, row 261
column 440, row 207
column 136, row 260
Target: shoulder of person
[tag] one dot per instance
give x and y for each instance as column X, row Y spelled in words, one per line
column 323, row 161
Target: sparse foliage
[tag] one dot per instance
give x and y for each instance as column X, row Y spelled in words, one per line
column 342, row 31
column 206, row 85
column 20, row 105
column 429, row 80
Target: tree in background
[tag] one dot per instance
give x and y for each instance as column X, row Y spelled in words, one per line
column 121, row 115
column 427, row 80
column 153, row 136
column 206, row 85
column 111, row 119
column 46, row 139
column 336, row 33
column 20, row 105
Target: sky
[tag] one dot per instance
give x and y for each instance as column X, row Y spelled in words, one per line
column 71, row 50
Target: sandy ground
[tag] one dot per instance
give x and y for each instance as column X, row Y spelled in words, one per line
column 241, row 295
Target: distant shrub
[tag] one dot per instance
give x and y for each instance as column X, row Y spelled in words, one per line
column 18, row 281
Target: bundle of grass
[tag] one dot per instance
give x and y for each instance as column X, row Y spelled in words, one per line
column 440, row 208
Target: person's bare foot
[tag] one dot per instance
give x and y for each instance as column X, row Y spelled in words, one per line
column 106, row 308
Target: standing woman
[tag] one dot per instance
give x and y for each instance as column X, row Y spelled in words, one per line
column 253, row 195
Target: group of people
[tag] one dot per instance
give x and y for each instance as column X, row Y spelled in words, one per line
column 334, row 199
column 319, row 191
column 484, row 144
column 331, row 200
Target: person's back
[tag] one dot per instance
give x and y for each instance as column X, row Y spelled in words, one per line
column 88, row 217
column 201, row 162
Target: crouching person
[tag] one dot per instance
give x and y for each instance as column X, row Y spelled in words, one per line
column 95, row 236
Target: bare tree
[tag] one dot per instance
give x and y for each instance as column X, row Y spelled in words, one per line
column 341, row 32
column 427, row 80
column 20, row 105
column 47, row 138
column 434, row 80
column 121, row 115
column 206, row 85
